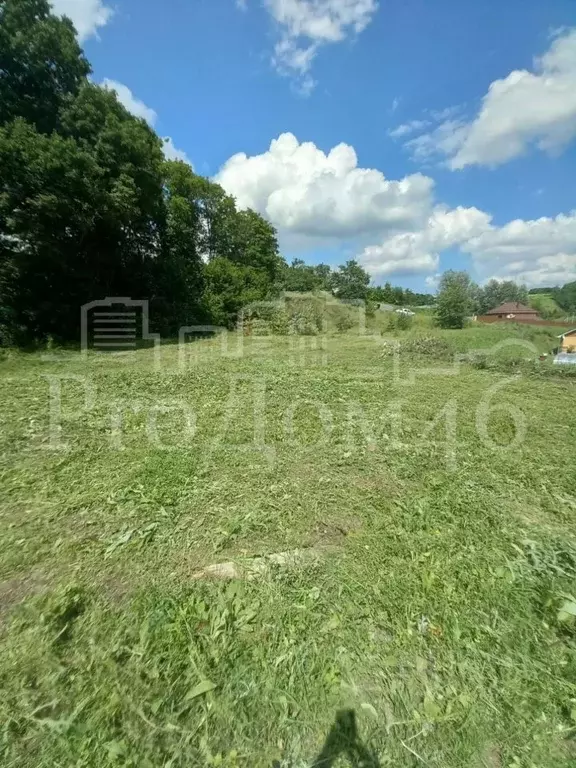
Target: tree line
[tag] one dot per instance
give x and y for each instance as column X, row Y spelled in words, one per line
column 459, row 297
column 349, row 281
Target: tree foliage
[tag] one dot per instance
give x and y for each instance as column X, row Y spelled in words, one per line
column 497, row 292
column 89, row 207
column 455, row 299
column 351, row 281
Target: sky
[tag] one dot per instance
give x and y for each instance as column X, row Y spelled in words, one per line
column 413, row 136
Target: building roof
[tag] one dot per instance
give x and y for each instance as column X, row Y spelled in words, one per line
column 512, row 308
column 567, row 333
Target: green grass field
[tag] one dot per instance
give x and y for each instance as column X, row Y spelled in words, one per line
column 438, row 498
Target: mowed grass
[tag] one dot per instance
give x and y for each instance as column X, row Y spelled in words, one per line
column 441, row 497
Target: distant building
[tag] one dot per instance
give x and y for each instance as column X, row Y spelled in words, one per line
column 383, row 307
column 511, row 310
column 568, row 341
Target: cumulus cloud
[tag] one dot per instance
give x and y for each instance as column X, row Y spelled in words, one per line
column 86, row 15
column 537, row 252
column 432, row 281
column 400, row 255
column 306, row 191
column 419, row 251
column 524, row 109
column 130, row 102
column 395, row 227
column 139, row 109
column 306, row 25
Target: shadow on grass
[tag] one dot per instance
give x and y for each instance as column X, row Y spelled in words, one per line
column 342, row 739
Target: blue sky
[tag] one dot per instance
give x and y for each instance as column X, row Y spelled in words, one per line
column 458, row 120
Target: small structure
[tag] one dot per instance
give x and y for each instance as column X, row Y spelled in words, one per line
column 565, row 358
column 568, row 341
column 513, row 310
column 383, row 307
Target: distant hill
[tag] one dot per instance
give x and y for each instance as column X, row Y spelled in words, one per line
column 546, row 305
column 564, row 297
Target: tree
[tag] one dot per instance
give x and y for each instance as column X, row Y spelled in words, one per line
column 351, row 281
column 566, row 297
column 89, row 207
column 230, row 287
column 41, row 63
column 179, row 269
column 497, row 292
column 397, row 296
column 454, row 301
column 306, row 278
column 256, row 244
column 82, row 212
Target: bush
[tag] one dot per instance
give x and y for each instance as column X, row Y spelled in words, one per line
column 424, row 346
column 399, row 322
column 403, row 322
column 344, row 322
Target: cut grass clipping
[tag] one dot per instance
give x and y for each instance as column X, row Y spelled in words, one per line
column 436, row 627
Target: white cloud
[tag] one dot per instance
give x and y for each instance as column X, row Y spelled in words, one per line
column 173, row 153
column 406, row 128
column 139, row 109
column 432, row 281
column 304, row 191
column 524, row 109
column 86, row 15
column 305, row 25
column 537, row 252
column 445, row 138
column 401, row 255
column 130, row 102
column 419, row 251
column 394, row 227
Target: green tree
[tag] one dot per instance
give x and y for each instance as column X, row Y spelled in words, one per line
column 497, row 292
column 41, row 63
column 89, row 208
column 306, row 278
column 566, row 297
column 351, row 281
column 256, row 244
column 455, row 299
column 81, row 212
column 323, row 274
column 180, row 269
column 230, row 287
column 397, row 296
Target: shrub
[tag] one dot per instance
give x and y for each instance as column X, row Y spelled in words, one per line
column 428, row 346
column 344, row 323
column 403, row 322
